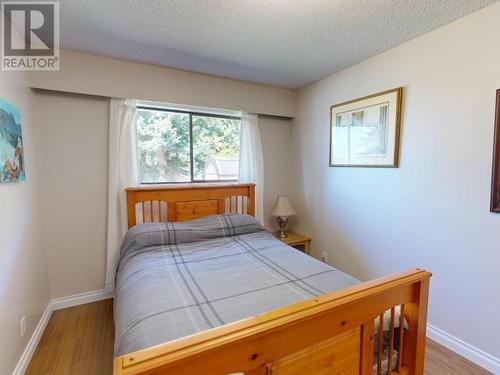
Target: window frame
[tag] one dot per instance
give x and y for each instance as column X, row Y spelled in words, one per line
column 191, row 153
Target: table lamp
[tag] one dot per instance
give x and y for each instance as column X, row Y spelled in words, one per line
column 282, row 209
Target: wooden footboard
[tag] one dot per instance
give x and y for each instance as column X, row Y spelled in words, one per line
column 330, row 334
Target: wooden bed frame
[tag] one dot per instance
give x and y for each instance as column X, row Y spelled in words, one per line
column 330, row 334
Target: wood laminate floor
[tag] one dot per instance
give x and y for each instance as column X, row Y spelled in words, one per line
column 79, row 341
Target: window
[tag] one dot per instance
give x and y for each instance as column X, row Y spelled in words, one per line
column 184, row 146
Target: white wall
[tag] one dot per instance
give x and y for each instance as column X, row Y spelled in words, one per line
column 75, row 140
column 24, row 286
column 433, row 211
column 276, row 140
column 75, row 169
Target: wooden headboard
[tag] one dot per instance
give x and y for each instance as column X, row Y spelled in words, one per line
column 158, row 203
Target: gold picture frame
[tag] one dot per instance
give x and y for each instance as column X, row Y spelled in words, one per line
column 365, row 132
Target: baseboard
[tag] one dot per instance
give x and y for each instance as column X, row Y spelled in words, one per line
column 473, row 354
column 25, row 359
column 80, row 299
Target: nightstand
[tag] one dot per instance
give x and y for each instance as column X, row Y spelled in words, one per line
column 296, row 240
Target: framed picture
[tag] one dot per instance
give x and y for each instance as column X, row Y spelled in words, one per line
column 365, row 132
column 495, row 177
column 11, row 144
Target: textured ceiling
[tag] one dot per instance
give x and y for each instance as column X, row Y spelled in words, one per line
column 276, row 42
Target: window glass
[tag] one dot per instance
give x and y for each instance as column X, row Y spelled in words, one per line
column 181, row 146
column 163, row 146
column 216, row 148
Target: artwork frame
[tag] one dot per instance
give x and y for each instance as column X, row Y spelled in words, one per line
column 358, row 139
column 495, row 173
column 12, row 168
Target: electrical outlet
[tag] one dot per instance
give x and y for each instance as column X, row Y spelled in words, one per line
column 22, row 323
column 324, row 256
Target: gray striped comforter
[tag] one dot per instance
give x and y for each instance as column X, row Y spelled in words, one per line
column 176, row 279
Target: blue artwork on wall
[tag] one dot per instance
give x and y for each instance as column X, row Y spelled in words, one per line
column 11, row 144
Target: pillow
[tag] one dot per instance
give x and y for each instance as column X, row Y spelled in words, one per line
column 205, row 228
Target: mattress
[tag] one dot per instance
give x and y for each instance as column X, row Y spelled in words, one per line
column 177, row 279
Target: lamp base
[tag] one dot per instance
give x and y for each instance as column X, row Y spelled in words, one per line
column 282, row 222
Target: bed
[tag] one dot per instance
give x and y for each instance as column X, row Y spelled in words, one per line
column 203, row 289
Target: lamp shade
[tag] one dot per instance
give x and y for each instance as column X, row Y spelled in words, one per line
column 282, row 207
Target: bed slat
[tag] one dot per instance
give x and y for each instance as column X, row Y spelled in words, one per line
column 391, row 342
column 380, row 343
